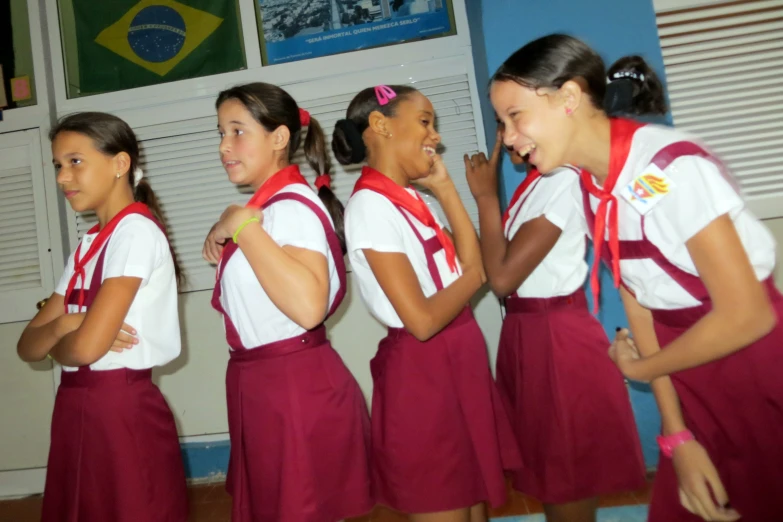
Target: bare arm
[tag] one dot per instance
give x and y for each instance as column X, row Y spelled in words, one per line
column 641, row 324
column 507, row 263
column 698, row 479
column 43, row 331
column 295, row 279
column 464, row 234
column 422, row 316
column 741, row 312
column 102, row 323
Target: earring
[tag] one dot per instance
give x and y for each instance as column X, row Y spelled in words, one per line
column 118, row 175
column 388, row 134
column 568, row 111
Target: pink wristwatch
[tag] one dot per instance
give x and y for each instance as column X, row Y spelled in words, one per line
column 669, row 442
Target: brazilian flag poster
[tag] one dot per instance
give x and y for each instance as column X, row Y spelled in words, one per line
column 122, row 44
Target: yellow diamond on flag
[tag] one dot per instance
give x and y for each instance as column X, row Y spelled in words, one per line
column 158, row 34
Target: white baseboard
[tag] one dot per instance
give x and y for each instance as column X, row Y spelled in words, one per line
column 22, row 482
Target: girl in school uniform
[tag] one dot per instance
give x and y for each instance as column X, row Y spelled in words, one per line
column 297, row 419
column 564, row 395
column 440, row 436
column 695, row 266
column 113, row 316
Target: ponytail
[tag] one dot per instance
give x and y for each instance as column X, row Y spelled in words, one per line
column 318, row 159
column 143, row 193
column 634, row 89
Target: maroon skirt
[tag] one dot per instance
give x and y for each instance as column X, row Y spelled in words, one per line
column 734, row 407
column 114, row 453
column 441, row 439
column 300, row 434
column 567, row 401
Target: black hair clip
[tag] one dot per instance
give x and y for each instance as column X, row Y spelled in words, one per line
column 625, row 74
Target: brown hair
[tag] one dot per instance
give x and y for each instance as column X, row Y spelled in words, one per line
column 272, row 107
column 551, row 61
column 111, row 135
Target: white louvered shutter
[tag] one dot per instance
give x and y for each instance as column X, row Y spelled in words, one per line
column 25, row 259
column 182, row 164
column 723, row 62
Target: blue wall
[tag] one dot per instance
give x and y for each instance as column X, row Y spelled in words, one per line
column 614, row 28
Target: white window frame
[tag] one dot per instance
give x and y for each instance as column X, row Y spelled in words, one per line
column 38, row 118
column 35, row 115
column 159, row 104
column 279, row 74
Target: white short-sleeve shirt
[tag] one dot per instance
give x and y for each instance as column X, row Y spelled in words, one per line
column 563, row 270
column 136, row 248
column 698, row 194
column 289, row 222
column 373, row 222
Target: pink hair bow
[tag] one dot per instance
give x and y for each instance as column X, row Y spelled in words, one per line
column 384, row 94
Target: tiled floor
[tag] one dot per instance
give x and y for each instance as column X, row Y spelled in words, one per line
column 211, row 503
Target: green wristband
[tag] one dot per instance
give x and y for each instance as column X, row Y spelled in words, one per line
column 243, row 225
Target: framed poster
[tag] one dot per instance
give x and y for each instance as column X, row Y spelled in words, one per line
column 292, row 30
column 123, row 44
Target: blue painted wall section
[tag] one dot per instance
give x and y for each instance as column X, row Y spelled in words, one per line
column 206, row 460
column 615, row 28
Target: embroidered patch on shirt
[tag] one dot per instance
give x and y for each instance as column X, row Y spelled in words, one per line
column 645, row 191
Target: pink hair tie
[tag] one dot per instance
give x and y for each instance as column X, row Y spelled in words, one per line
column 384, row 94
column 323, row 180
column 304, row 117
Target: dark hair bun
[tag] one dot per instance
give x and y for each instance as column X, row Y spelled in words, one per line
column 347, row 143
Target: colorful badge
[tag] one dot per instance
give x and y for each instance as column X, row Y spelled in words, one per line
column 645, row 191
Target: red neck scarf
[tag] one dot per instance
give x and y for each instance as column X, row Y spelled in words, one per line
column 622, row 132
column 80, row 263
column 373, row 180
column 532, row 175
column 287, row 176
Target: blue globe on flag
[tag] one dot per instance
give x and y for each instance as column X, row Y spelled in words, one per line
column 157, row 33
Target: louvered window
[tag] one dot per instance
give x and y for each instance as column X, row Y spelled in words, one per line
column 723, row 62
column 25, row 260
column 181, row 162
